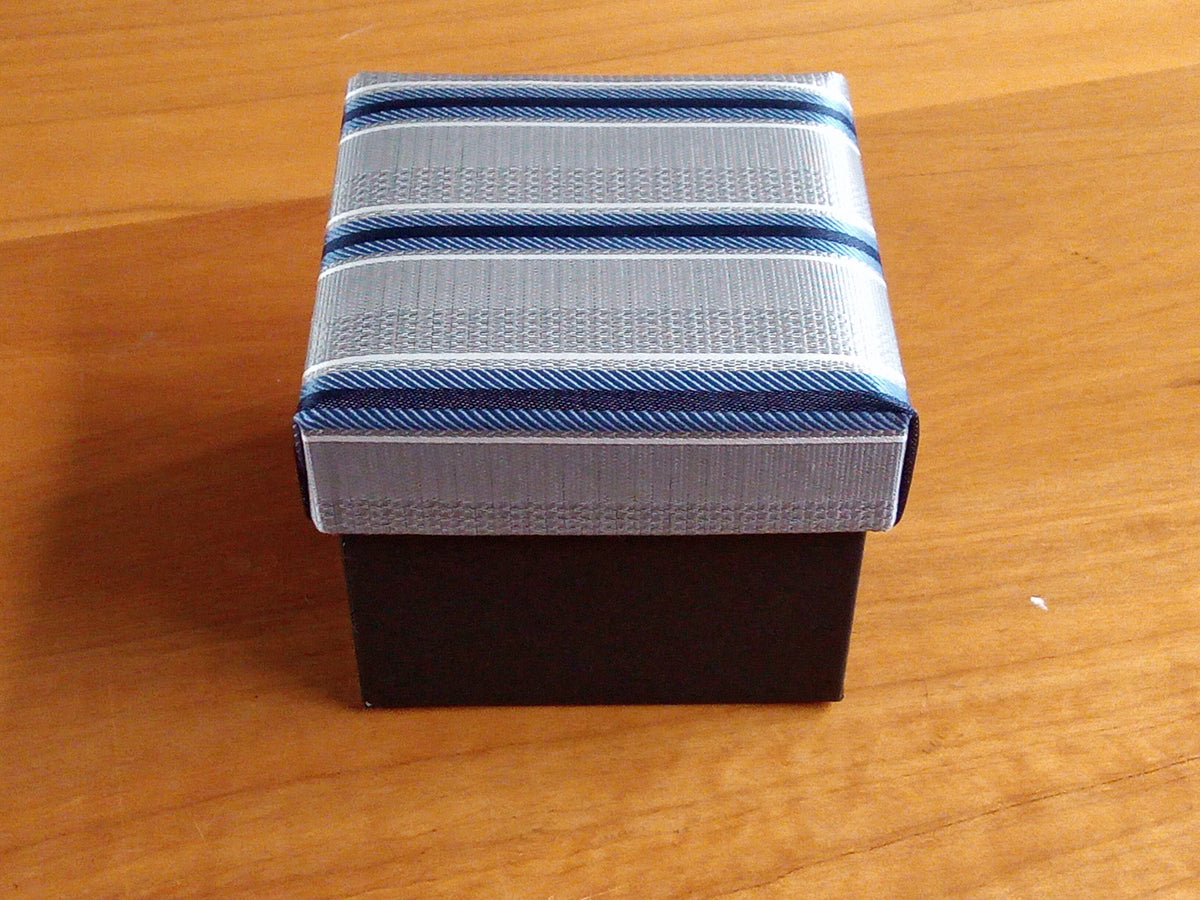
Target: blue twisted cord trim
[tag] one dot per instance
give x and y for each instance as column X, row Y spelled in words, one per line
column 792, row 243
column 580, row 231
column 588, row 114
column 615, row 91
column 535, row 398
column 647, row 380
column 602, row 421
column 614, row 222
column 595, row 102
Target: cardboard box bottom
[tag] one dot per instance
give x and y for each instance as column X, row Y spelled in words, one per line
column 520, row 620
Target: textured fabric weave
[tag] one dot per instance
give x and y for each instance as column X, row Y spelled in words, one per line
column 597, row 305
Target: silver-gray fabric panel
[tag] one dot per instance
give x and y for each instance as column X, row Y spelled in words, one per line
column 602, row 486
column 619, row 163
column 629, row 304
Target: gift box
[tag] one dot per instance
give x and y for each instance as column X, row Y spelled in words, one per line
column 602, row 389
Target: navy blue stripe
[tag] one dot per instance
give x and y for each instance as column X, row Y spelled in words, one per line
column 910, row 461
column 614, row 116
column 598, row 232
column 664, row 92
column 526, row 421
column 594, row 379
column 600, row 400
column 380, row 108
column 604, row 245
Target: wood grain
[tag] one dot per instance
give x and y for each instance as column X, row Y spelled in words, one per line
column 178, row 706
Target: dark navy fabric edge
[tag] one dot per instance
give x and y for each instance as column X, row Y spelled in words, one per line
column 909, row 464
column 301, row 466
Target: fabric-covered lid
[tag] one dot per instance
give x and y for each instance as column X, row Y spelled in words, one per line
column 596, row 305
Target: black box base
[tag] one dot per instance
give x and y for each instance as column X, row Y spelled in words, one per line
column 447, row 621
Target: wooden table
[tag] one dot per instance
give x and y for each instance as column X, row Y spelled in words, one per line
column 179, row 713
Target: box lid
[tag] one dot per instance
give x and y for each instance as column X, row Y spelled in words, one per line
column 586, row 305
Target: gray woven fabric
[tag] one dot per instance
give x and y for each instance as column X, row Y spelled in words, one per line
column 490, row 354
column 608, row 486
column 522, row 163
column 731, row 307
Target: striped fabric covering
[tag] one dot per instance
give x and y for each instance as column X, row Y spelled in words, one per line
column 586, row 305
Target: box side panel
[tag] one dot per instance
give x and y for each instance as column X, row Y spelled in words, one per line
column 564, row 620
